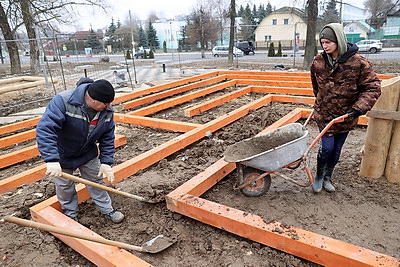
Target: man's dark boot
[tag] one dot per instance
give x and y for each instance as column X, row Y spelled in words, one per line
column 328, row 186
column 319, row 178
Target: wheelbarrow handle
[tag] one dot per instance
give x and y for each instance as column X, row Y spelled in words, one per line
column 327, row 127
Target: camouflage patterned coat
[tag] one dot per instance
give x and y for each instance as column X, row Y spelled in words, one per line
column 350, row 83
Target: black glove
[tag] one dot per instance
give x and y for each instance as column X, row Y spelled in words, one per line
column 353, row 113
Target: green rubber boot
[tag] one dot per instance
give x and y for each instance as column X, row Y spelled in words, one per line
column 319, row 179
column 328, row 186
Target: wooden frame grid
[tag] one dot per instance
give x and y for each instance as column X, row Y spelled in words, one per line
column 185, row 197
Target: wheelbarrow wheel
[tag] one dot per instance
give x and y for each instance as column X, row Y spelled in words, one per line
column 259, row 186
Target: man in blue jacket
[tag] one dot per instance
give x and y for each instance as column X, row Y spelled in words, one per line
column 74, row 121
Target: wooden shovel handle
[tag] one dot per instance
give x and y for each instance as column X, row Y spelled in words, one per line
column 109, row 189
column 66, row 232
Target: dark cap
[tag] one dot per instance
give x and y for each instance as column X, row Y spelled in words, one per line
column 328, row 33
column 101, row 90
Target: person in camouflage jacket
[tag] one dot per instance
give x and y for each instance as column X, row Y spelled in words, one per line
column 343, row 82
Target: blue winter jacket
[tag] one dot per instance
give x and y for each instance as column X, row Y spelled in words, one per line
column 62, row 133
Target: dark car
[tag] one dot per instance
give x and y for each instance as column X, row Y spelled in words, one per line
column 246, row 47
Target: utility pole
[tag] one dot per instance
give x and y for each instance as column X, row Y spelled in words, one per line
column 133, row 47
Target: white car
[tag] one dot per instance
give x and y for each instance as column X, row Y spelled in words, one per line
column 223, row 50
column 371, row 46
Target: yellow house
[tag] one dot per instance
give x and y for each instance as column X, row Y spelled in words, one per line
column 287, row 25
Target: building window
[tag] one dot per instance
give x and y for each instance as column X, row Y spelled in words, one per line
column 274, row 22
column 267, row 38
column 286, row 21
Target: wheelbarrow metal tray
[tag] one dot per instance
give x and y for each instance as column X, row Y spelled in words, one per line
column 270, row 151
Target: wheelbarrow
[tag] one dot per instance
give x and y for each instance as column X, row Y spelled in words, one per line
column 260, row 156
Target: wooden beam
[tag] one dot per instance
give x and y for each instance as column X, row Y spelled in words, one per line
column 37, row 173
column 274, row 83
column 17, row 138
column 167, row 93
column 99, row 254
column 384, row 114
column 283, row 90
column 301, row 243
column 157, row 88
column 180, row 99
column 9, row 128
column 190, row 112
column 169, row 125
column 243, row 75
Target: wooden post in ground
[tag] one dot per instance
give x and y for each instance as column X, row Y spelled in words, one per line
column 379, row 131
column 392, row 171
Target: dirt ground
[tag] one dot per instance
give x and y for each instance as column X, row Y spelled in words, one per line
column 362, row 211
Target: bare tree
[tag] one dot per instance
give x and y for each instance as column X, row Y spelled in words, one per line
column 32, row 14
column 379, row 9
column 232, row 16
column 202, row 29
column 312, row 14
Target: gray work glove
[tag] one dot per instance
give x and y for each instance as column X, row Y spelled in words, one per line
column 107, row 172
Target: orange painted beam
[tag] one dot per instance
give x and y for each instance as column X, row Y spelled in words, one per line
column 152, row 156
column 171, row 92
column 176, row 126
column 243, row 76
column 17, row 138
column 293, row 99
column 9, row 128
column 99, row 254
column 180, row 99
column 37, row 173
column 190, row 112
column 274, row 83
column 304, row 244
column 253, row 72
column 283, row 90
column 157, row 88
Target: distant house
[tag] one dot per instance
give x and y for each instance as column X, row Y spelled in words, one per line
column 83, row 36
column 169, row 31
column 287, row 25
column 391, row 30
column 358, row 30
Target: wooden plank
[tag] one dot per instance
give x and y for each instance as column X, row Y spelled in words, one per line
column 157, row 88
column 180, row 99
column 99, row 254
column 266, row 73
column 242, row 76
column 169, row 125
column 274, row 83
column 301, row 243
column 17, row 138
column 384, row 114
column 283, row 90
column 37, row 173
column 9, row 128
column 190, row 112
column 171, row 92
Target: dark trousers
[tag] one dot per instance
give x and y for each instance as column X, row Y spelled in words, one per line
column 330, row 149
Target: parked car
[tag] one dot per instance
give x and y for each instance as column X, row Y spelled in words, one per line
column 246, row 47
column 371, row 46
column 140, row 52
column 223, row 50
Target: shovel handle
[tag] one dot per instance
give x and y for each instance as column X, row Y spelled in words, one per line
column 99, row 186
column 66, row 232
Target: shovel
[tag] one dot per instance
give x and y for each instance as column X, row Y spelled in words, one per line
column 155, row 245
column 109, row 189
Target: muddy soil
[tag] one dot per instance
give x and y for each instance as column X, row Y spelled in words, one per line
column 362, row 211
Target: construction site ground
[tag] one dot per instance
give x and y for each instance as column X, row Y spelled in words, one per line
column 363, row 212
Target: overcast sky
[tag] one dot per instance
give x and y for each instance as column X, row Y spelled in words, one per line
column 119, row 10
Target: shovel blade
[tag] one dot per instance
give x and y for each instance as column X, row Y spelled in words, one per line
column 157, row 244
